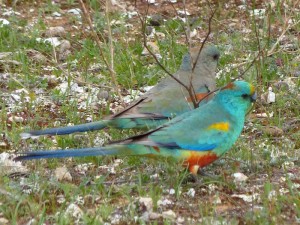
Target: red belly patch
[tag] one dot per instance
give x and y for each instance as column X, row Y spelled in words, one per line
column 199, row 159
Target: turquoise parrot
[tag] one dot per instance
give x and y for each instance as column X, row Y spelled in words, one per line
column 197, row 137
column 164, row 101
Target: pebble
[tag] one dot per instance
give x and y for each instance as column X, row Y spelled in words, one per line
column 55, row 32
column 62, row 173
column 147, row 203
column 169, row 215
column 239, row 177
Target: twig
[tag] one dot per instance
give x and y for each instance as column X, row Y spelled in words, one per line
column 111, row 49
column 96, row 38
column 154, row 56
column 271, row 51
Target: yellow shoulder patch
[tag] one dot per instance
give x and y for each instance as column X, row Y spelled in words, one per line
column 252, row 89
column 223, row 126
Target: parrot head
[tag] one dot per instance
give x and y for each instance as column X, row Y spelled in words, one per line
column 237, row 96
column 208, row 59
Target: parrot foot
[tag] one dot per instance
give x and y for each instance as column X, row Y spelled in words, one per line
column 205, row 174
column 190, row 178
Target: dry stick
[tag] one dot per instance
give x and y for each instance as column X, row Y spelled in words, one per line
column 188, row 41
column 157, row 61
column 234, row 79
column 202, row 45
column 96, row 38
column 111, row 49
column 187, row 36
column 183, row 27
column 269, row 53
column 190, row 89
column 272, row 50
column 261, row 57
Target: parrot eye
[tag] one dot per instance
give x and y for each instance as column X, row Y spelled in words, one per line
column 216, row 56
column 245, row 96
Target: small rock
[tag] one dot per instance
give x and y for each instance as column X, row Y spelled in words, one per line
column 154, row 176
column 3, row 22
column 264, row 115
column 246, row 198
column 183, row 13
column 75, row 11
column 63, row 55
column 217, row 200
column 239, row 177
column 180, row 220
column 9, row 166
column 288, row 165
column 164, row 202
column 36, row 56
column 52, row 80
column 62, row 173
column 55, row 32
column 193, row 33
column 160, row 35
column 156, row 20
column 268, row 97
column 5, row 54
column 149, row 30
column 281, row 85
column 74, row 211
column 146, row 203
column 151, row 1
column 169, row 215
column 291, row 124
column 103, row 95
column 4, row 221
column 191, row 192
column 152, row 46
column 56, row 14
column 64, row 46
column 171, row 191
column 273, row 131
column 145, row 216
column 154, row 216
column 259, row 13
column 271, row 96
column 52, row 40
column 16, row 119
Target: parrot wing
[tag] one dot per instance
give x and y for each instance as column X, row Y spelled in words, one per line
column 200, row 131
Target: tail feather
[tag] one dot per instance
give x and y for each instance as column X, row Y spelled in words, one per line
column 67, row 130
column 97, row 151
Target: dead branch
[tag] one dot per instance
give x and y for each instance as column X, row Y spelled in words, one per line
column 98, row 42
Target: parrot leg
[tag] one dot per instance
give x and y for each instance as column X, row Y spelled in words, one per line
column 202, row 173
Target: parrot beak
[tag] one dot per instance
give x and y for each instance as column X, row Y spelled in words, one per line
column 253, row 97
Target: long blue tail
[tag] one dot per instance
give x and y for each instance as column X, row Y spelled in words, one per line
column 97, row 151
column 67, row 130
column 119, row 123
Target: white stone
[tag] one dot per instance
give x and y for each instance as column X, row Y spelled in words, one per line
column 74, row 211
column 62, row 173
column 239, row 177
column 191, row 192
column 271, row 96
column 147, row 202
column 169, row 215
